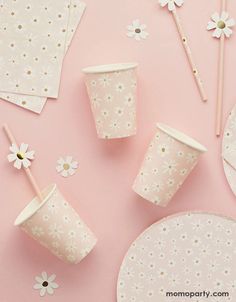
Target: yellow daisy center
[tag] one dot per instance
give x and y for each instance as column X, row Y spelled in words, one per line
column 221, row 24
column 66, row 166
column 21, row 156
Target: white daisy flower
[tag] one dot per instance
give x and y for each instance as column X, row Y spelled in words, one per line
column 120, row 87
column 170, row 182
column 169, row 167
column 93, row 83
column 108, row 98
column 66, row 166
column 95, row 100
column 105, row 80
column 71, row 247
column 45, row 284
column 20, row 156
column 221, row 25
column 119, row 111
column 163, row 150
column 171, row 3
column 115, row 125
column 55, row 231
column 157, row 186
column 37, row 231
column 137, row 30
column 52, row 206
column 129, row 99
column 72, row 234
column 191, row 157
column 66, row 219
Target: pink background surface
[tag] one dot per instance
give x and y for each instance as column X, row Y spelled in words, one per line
column 101, row 189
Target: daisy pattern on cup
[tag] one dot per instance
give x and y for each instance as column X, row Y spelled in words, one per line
column 221, row 24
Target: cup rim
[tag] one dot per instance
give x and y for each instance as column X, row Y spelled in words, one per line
column 181, row 137
column 27, row 212
column 109, row 68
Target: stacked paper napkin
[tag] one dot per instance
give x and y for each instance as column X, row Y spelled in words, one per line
column 35, row 37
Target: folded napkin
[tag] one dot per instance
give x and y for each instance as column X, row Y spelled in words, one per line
column 36, row 103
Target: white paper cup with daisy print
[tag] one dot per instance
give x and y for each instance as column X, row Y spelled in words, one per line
column 57, row 226
column 112, row 90
column 170, row 158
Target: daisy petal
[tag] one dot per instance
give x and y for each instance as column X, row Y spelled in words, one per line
column 211, row 25
column 51, row 278
column 130, row 27
column 39, row 279
column 42, row 292
column 230, row 22
column 136, row 23
column 163, row 2
column 26, row 163
column 224, row 16
column 14, row 149
column 69, row 159
column 71, row 172
column 64, row 173
column 17, row 164
column 60, row 161
column 59, row 168
column 215, row 17
column 131, row 34
column 217, row 33
column 44, row 276
column 23, row 148
column 30, row 154
column 144, row 34
column 37, row 286
column 11, row 157
column 227, row 31
column 179, row 2
column 74, row 164
column 54, row 285
column 171, row 6
column 50, row 290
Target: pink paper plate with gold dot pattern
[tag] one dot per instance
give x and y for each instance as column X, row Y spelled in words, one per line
column 229, row 150
column 186, row 253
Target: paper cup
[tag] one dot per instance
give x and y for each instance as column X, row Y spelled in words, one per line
column 112, row 90
column 56, row 226
column 169, row 160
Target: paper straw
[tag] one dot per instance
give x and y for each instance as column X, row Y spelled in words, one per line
column 189, row 55
column 27, row 170
column 220, row 91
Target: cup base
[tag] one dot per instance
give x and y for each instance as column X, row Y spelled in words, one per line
column 156, row 203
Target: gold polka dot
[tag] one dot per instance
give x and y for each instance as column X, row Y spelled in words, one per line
column 23, row 102
column 19, row 26
column 29, row 72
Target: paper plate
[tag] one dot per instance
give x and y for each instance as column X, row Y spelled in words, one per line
column 182, row 254
column 229, row 150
